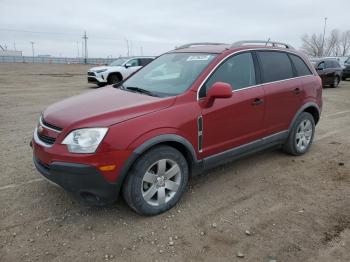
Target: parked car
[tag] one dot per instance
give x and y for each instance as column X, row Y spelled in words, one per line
column 329, row 70
column 116, row 71
column 189, row 110
column 346, row 70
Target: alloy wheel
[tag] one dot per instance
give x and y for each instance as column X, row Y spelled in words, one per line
column 303, row 135
column 161, row 182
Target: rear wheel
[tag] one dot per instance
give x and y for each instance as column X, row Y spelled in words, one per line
column 114, row 79
column 301, row 136
column 156, row 181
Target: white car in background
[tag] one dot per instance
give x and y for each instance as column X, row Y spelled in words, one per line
column 116, row 71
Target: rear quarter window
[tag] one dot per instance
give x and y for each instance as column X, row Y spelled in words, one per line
column 300, row 67
column 275, row 66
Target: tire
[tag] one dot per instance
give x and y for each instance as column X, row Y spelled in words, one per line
column 336, row 81
column 299, row 142
column 146, row 183
column 114, row 79
column 101, row 84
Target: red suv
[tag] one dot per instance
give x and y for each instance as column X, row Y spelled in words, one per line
column 188, row 110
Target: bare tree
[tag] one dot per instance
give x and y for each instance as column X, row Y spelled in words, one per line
column 312, row 45
column 344, row 43
column 331, row 45
column 336, row 44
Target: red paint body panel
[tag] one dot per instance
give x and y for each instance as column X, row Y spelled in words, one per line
column 281, row 104
column 232, row 122
column 134, row 119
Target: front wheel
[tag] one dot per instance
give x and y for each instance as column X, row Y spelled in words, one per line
column 101, row 84
column 301, row 135
column 114, row 79
column 336, row 81
column 156, row 181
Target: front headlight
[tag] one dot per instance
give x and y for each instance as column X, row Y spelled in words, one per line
column 84, row 140
column 101, row 71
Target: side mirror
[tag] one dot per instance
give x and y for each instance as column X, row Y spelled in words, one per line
column 319, row 68
column 128, row 65
column 217, row 90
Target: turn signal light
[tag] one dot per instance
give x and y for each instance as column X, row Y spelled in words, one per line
column 107, row 168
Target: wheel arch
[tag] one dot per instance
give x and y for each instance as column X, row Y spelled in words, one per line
column 178, row 142
column 310, row 107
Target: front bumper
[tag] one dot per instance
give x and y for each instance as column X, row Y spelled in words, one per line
column 97, row 79
column 80, row 174
column 83, row 181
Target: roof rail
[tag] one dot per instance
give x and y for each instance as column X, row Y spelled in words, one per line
column 198, row 44
column 268, row 42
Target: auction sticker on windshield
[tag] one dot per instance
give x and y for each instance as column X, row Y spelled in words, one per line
column 198, row 58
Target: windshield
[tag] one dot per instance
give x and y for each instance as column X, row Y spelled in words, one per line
column 118, row 62
column 170, row 74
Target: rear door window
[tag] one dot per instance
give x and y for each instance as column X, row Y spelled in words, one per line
column 275, row 66
column 145, row 61
column 329, row 64
column 301, row 68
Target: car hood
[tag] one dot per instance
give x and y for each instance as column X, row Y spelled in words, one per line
column 103, row 107
column 94, row 69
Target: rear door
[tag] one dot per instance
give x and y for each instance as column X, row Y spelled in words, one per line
column 282, row 90
column 238, row 120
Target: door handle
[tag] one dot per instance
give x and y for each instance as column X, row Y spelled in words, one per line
column 257, row 101
column 297, row 91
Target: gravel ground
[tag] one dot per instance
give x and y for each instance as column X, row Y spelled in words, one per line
column 268, row 207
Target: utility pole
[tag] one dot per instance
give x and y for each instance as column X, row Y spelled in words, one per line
column 127, row 46
column 32, row 43
column 130, row 47
column 78, row 49
column 85, row 47
column 324, row 33
column 14, row 45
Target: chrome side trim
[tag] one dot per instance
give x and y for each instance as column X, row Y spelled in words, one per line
column 41, row 123
column 200, row 133
column 38, row 141
column 245, row 50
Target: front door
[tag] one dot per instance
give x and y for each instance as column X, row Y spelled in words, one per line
column 238, row 120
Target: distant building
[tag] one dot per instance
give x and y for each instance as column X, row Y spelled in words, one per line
column 10, row 53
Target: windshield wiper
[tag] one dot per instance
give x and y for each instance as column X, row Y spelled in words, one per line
column 140, row 90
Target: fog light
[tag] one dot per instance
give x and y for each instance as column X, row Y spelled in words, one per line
column 107, row 168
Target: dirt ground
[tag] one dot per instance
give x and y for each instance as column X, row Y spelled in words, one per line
column 268, row 207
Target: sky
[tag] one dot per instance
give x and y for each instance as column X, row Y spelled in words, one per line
column 152, row 27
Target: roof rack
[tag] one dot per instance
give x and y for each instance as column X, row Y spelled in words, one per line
column 268, row 42
column 198, row 44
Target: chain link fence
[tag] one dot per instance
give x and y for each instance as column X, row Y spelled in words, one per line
column 55, row 60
